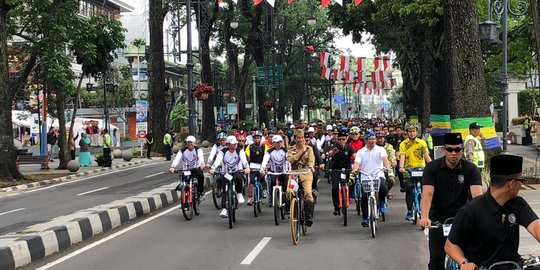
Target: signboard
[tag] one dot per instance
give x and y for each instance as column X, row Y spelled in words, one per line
column 339, row 100
column 265, row 76
column 232, row 108
column 34, row 129
column 141, row 109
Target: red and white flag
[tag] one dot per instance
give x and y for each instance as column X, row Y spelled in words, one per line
column 340, row 2
column 392, row 83
column 289, row 1
column 326, row 73
column 362, row 76
column 382, row 78
column 386, row 62
column 324, row 58
column 344, row 63
column 357, row 2
column 270, row 2
column 256, row 2
column 325, row 3
column 360, row 64
column 378, row 63
column 374, row 79
column 337, row 75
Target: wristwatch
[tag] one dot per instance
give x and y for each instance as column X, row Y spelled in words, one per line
column 465, row 261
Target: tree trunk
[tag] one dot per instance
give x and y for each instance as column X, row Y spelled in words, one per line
column 7, row 148
column 465, row 69
column 156, row 81
column 63, row 154
column 425, row 85
column 74, row 113
column 535, row 9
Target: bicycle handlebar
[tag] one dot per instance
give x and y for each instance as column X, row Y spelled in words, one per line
column 298, row 172
column 339, row 170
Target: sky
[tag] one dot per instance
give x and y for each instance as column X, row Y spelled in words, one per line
column 137, row 24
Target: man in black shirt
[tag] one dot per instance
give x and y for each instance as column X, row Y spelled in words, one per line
column 486, row 230
column 445, row 188
column 340, row 158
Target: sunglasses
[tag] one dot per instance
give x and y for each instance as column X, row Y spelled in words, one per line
column 342, row 139
column 451, row 149
column 241, row 140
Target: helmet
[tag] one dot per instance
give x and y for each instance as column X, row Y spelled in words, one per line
column 257, row 133
column 369, row 134
column 411, row 126
column 355, row 130
column 222, row 135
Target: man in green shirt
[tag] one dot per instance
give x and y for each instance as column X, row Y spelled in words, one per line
column 167, row 145
column 107, row 142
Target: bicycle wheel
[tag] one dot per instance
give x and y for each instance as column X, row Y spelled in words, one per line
column 301, row 209
column 255, row 200
column 344, row 204
column 450, row 264
column 187, row 209
column 215, row 192
column 196, row 201
column 276, row 205
column 372, row 219
column 357, row 198
column 234, row 207
column 419, row 210
column 230, row 195
column 295, row 222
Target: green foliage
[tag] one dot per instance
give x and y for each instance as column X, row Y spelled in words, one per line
column 528, row 100
column 178, row 115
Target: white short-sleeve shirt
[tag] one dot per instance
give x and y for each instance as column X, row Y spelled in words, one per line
column 370, row 160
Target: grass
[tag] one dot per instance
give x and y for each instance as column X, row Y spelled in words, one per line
column 36, row 177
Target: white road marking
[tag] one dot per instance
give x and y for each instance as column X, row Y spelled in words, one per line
column 12, row 211
column 251, row 256
column 92, row 191
column 155, row 174
column 106, row 239
column 110, row 237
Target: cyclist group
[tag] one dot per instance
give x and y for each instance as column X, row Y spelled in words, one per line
column 484, row 230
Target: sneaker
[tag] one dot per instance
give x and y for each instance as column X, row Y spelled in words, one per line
column 265, row 193
column 249, row 202
column 409, row 216
column 240, row 198
column 309, row 220
column 383, row 208
column 365, row 222
column 223, row 213
column 201, row 195
column 402, row 190
column 390, row 196
column 337, row 212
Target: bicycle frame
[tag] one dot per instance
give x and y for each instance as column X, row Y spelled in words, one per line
column 416, row 176
column 371, row 184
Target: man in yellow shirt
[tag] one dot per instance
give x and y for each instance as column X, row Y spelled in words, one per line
column 413, row 152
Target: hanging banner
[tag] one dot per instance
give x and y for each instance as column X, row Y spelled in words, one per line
column 141, row 109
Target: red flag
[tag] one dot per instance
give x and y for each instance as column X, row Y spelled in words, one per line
column 357, row 2
column 290, row 1
column 354, row 86
column 324, row 58
column 382, row 78
column 337, row 75
column 374, row 79
column 219, row 1
column 365, row 88
column 325, row 73
column 360, row 64
column 325, row 3
column 345, row 61
column 310, row 49
column 255, row 2
column 392, row 83
column 386, row 62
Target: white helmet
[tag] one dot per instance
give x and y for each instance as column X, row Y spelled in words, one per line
column 232, row 140
column 191, row 138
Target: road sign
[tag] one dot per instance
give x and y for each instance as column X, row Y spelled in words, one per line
column 265, row 76
column 232, row 108
column 339, row 100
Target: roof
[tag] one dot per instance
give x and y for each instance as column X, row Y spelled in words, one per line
column 122, row 5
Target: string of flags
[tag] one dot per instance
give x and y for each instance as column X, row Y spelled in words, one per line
column 380, row 77
column 324, row 3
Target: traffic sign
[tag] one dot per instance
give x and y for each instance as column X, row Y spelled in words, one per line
column 265, row 76
column 339, row 100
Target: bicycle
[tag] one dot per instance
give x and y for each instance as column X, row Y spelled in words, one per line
column 532, row 262
column 216, row 190
column 357, row 194
column 449, row 264
column 371, row 186
column 343, row 193
column 416, row 175
column 189, row 195
column 276, row 197
column 231, row 200
column 257, row 189
column 297, row 215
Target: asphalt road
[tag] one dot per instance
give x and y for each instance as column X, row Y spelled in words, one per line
column 167, row 241
column 41, row 205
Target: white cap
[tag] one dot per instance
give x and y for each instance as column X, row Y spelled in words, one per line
column 277, row 138
column 329, row 127
column 291, row 126
column 191, row 138
column 310, row 129
column 231, row 140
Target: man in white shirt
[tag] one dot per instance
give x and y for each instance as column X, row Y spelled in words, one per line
column 220, row 144
column 192, row 159
column 234, row 161
column 369, row 159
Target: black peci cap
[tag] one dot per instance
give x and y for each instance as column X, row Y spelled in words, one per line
column 342, row 133
column 453, row 138
column 505, row 165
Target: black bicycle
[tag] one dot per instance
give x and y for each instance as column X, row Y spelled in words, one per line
column 216, row 189
column 189, row 197
column 231, row 200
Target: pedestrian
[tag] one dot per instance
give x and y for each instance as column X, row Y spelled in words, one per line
column 474, row 143
column 149, row 144
column 428, row 139
column 72, row 148
column 486, row 230
column 107, row 143
column 85, row 158
column 446, row 184
column 52, row 138
column 95, row 133
column 167, row 145
column 527, row 126
column 115, row 140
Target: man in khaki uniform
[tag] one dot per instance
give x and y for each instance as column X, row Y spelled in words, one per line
column 302, row 157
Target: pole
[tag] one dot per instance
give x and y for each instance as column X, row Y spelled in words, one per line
column 274, row 85
column 189, row 66
column 331, row 85
column 41, row 153
column 504, row 81
column 43, row 136
column 138, row 73
column 255, row 99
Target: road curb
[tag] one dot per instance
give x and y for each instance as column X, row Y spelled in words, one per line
column 69, row 177
column 38, row 241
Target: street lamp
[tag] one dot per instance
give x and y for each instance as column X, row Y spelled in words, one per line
column 233, row 24
column 487, row 31
column 311, row 21
column 330, row 50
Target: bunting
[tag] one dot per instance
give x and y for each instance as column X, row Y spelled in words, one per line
column 357, row 2
column 255, row 2
column 344, row 64
column 360, row 64
column 378, row 63
column 270, row 2
column 324, row 56
column 386, row 62
column 325, row 3
column 326, row 73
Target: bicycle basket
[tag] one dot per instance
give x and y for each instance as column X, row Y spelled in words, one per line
column 366, row 185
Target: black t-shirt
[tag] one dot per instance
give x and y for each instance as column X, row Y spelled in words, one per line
column 342, row 158
column 149, row 137
column 488, row 233
column 451, row 186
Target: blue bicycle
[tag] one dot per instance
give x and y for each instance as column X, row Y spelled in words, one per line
column 449, row 264
column 357, row 193
column 416, row 176
column 257, row 189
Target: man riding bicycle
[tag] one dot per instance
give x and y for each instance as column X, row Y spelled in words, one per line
column 446, row 184
column 413, row 152
column 192, row 159
column 369, row 159
column 301, row 157
column 234, row 161
column 276, row 158
column 486, row 230
column 391, row 153
column 340, row 158
column 255, row 153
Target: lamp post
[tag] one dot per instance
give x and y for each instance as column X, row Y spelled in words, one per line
column 311, row 22
column 189, row 66
column 488, row 32
column 331, row 83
